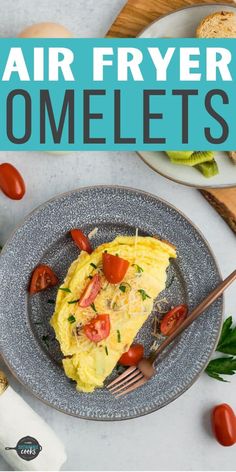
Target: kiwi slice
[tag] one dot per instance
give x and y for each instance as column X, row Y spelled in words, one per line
column 179, row 155
column 197, row 157
column 208, row 169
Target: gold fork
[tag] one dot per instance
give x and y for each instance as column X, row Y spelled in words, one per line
column 136, row 376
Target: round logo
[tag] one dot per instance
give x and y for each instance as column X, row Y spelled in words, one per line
column 27, row 448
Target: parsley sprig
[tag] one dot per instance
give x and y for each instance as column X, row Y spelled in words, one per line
column 227, row 341
column 226, row 345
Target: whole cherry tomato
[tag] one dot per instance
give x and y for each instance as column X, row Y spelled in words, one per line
column 173, row 319
column 42, row 278
column 11, row 182
column 132, row 356
column 98, row 328
column 81, row 240
column 224, row 424
column 90, row 292
column 114, row 268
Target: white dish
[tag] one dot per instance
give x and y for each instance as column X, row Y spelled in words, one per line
column 182, row 24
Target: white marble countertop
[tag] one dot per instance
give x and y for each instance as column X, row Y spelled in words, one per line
column 177, row 437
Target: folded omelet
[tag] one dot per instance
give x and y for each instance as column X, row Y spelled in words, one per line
column 128, row 304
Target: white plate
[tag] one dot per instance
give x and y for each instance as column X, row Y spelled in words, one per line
column 183, row 24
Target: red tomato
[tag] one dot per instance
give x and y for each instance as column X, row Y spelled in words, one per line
column 132, row 356
column 11, row 182
column 42, row 278
column 114, row 268
column 98, row 328
column 173, row 319
column 91, row 291
column 224, row 424
column 81, row 240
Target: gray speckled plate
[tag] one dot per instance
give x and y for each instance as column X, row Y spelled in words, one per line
column 27, row 343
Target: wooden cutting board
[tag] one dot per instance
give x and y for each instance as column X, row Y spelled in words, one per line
column 133, row 18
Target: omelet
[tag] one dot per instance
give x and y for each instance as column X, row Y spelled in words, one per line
column 128, row 305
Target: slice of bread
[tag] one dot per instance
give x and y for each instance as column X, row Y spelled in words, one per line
column 221, row 24
column 232, row 155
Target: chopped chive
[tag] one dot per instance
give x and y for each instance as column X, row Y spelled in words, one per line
column 122, row 288
column 45, row 339
column 106, row 350
column 93, row 307
column 143, row 294
column 71, row 319
column 118, row 336
column 117, row 255
column 73, row 301
column 105, row 251
column 138, row 268
column 93, row 265
column 38, row 322
column 51, row 302
column 65, row 289
column 120, row 369
column 170, row 282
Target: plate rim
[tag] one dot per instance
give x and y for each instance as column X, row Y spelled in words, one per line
column 180, row 182
column 173, row 207
column 213, row 4
column 172, row 179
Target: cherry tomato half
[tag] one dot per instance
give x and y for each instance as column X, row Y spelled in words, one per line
column 114, row 268
column 90, row 292
column 173, row 319
column 81, row 240
column 132, row 356
column 224, row 424
column 98, row 328
column 11, row 182
column 42, row 278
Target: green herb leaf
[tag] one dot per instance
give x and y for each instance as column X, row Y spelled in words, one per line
column 73, row 301
column 118, row 336
column 216, row 376
column 93, row 307
column 227, row 342
column 122, row 288
column 71, row 319
column 106, row 350
column 222, row 365
column 143, row 294
column 65, row 289
column 138, row 268
column 93, row 265
column 51, row 302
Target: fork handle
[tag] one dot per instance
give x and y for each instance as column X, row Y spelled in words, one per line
column 216, row 293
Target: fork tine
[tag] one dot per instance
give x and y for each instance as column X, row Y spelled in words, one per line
column 126, row 379
column 122, row 376
column 141, row 382
column 120, row 387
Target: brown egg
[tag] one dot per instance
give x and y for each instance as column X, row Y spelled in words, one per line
column 46, row 30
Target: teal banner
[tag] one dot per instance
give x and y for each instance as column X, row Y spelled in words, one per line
column 117, row 94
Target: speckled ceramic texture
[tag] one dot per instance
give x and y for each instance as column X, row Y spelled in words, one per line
column 27, row 343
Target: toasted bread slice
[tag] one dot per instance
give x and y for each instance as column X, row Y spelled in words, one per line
column 221, row 24
column 232, row 155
